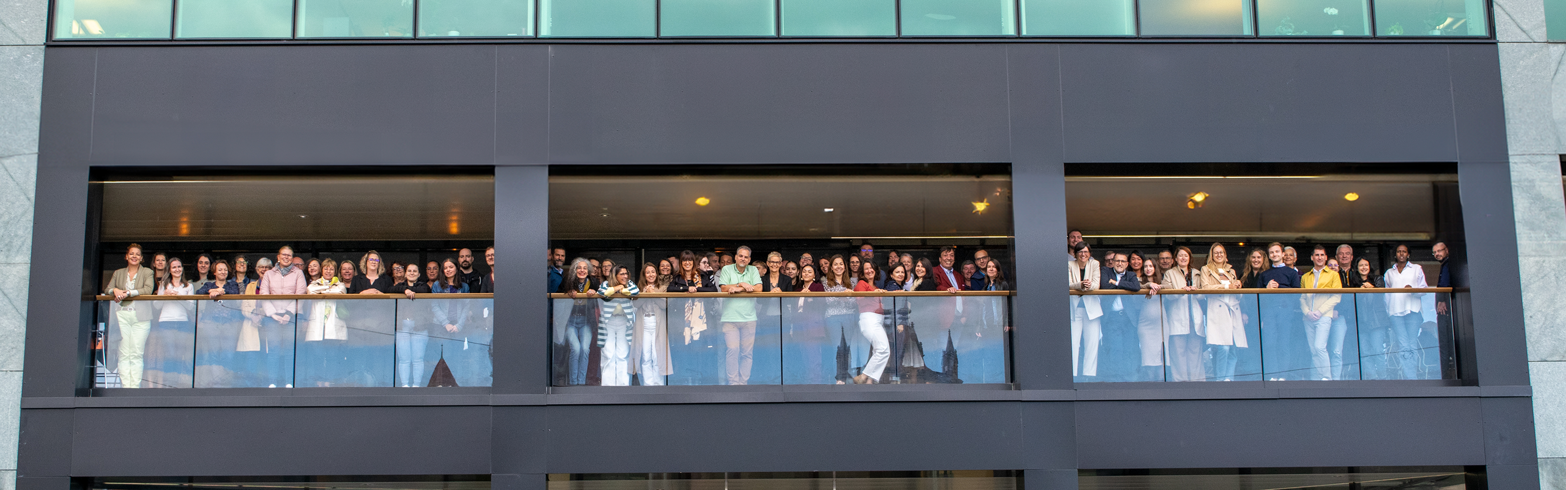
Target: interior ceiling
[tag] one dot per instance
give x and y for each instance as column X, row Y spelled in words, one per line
column 586, row 207
column 296, row 209
column 1388, row 208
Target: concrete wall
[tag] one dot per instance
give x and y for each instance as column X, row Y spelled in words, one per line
column 1536, row 137
column 22, row 28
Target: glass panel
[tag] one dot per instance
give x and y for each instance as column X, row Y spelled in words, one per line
column 355, row 18
column 959, row 18
column 245, row 343
column 444, row 342
column 1406, row 335
column 1132, row 345
column 825, row 343
column 840, row 17
column 225, row 344
column 717, row 18
column 231, row 19
column 705, row 350
column 1312, row 18
column 1431, row 18
column 115, row 19
column 1308, row 336
column 598, row 18
column 344, row 343
column 1555, row 19
column 1078, row 18
column 475, row 18
column 968, row 333
column 148, row 344
column 1195, row 17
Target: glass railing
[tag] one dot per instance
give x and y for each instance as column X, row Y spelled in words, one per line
column 510, row 19
column 306, row 341
column 781, row 338
column 1264, row 334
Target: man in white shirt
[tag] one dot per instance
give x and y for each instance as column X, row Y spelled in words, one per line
column 1403, row 309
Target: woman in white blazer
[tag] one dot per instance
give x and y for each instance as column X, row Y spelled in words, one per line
column 1085, row 312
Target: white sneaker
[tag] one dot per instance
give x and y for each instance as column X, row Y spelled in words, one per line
column 271, row 386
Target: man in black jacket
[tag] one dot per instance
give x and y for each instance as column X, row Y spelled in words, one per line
column 1121, row 355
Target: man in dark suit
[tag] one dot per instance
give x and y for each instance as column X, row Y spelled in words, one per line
column 949, row 279
column 1122, row 354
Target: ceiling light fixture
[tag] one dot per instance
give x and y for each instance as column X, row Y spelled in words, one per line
column 980, row 206
column 702, row 201
column 1196, row 200
column 1351, row 197
column 828, row 210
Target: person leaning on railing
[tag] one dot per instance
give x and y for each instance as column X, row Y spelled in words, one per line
column 1373, row 326
column 870, row 325
column 1184, row 318
column 615, row 336
column 133, row 318
column 1404, row 309
column 412, row 337
column 1083, row 275
column 220, row 283
column 278, row 316
column 1119, row 360
column 650, row 335
column 1320, row 310
column 1225, row 322
column 1149, row 323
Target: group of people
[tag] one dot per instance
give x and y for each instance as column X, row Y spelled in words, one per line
column 633, row 337
column 267, row 325
column 1203, row 336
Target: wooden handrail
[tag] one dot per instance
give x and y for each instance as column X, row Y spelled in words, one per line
column 843, row 294
column 306, row 296
column 1120, row 292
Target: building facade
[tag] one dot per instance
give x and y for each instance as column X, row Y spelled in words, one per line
column 1051, row 110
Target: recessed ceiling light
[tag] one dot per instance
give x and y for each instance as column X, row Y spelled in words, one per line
column 703, row 201
column 828, row 210
column 1351, row 197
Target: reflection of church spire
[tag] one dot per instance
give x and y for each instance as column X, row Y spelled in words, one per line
column 949, row 360
column 843, row 357
column 441, row 377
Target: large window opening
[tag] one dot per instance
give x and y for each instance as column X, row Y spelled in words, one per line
column 767, row 293
column 342, row 312
column 1213, row 227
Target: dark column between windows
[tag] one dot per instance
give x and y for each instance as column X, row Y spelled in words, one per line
column 1041, row 332
column 521, row 308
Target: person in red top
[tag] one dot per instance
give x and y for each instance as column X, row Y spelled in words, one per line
column 949, row 279
column 870, row 317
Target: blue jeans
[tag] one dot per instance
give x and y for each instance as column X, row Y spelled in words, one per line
column 1373, row 353
column 1405, row 330
column 1335, row 345
column 411, row 347
column 1224, row 360
column 279, row 355
column 579, row 336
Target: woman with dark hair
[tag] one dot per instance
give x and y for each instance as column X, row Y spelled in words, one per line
column 203, row 269
column 313, row 270
column 241, row 275
column 413, row 336
column 432, row 274
column 650, row 335
column 791, row 271
column 220, row 283
column 1149, row 323
column 615, row 336
column 1135, row 261
column 871, row 318
column 1373, row 327
column 1086, row 331
column 921, row 280
column 840, row 309
column 579, row 332
column 692, row 277
column 806, row 325
column 909, row 355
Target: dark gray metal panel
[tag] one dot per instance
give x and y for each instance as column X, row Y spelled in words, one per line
column 505, row 481
column 521, row 310
column 1038, row 196
column 1049, row 479
column 1477, row 112
column 44, row 443
column 44, row 483
column 295, row 105
column 522, row 104
column 282, row 441
column 57, row 319
column 1280, row 433
column 1049, row 436
column 1508, row 431
column 65, row 126
column 821, row 103
column 784, row 437
column 521, row 440
column 1512, row 477
column 1499, row 343
column 1141, row 102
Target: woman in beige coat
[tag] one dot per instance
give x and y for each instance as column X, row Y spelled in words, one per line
column 650, row 335
column 1083, row 276
column 132, row 319
column 1225, row 327
column 1183, row 320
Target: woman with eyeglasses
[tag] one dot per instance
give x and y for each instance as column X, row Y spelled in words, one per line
column 373, row 271
column 615, row 337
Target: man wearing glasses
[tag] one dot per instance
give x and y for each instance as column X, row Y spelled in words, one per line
column 1122, row 355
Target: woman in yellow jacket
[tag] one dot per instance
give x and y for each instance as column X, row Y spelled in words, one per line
column 1319, row 310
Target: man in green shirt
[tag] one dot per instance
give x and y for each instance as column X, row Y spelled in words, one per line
column 739, row 315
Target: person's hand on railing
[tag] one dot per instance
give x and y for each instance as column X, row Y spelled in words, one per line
column 1367, row 285
column 1087, row 285
column 370, row 291
column 215, row 292
column 1440, row 307
column 120, row 294
column 1272, row 284
column 408, row 292
column 1152, row 289
column 952, row 290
